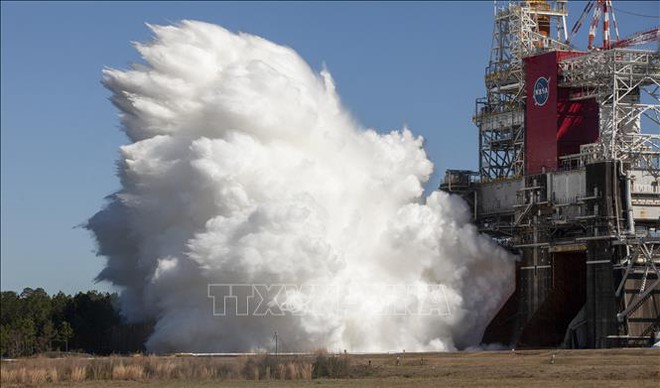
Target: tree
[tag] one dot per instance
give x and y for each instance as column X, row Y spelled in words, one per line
column 11, row 306
column 60, row 303
column 32, row 320
column 93, row 318
column 65, row 333
column 4, row 340
column 48, row 333
column 36, row 305
column 25, row 335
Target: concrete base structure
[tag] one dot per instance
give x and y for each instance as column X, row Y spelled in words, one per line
column 583, row 280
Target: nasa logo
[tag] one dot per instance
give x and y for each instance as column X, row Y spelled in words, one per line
column 541, row 91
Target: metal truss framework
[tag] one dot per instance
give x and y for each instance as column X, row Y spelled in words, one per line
column 601, row 219
column 538, row 230
column 521, row 29
column 642, row 260
column 618, row 79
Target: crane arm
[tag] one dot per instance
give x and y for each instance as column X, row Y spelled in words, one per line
column 578, row 24
column 639, row 38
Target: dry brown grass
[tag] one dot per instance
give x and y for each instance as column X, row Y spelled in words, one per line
column 128, row 372
column 36, row 376
column 614, row 367
column 39, row 371
column 77, row 374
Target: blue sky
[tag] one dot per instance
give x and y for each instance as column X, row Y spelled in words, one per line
column 419, row 64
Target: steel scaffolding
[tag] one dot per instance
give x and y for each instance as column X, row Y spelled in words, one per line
column 587, row 229
column 618, row 79
column 521, row 29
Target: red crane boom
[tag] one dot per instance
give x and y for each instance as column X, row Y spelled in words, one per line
column 604, row 8
column 639, row 38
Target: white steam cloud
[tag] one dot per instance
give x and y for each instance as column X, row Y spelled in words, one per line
column 243, row 167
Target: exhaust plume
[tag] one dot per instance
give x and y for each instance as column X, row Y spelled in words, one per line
column 244, row 168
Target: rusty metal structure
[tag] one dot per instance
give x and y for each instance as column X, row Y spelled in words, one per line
column 569, row 179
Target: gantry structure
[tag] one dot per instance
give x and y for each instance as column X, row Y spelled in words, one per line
column 521, row 30
column 585, row 220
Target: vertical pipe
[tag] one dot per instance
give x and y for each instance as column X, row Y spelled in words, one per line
column 616, row 194
column 629, row 207
column 606, row 25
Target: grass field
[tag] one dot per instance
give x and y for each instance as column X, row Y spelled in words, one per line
column 547, row 368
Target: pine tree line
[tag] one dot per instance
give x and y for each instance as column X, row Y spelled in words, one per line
column 34, row 322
